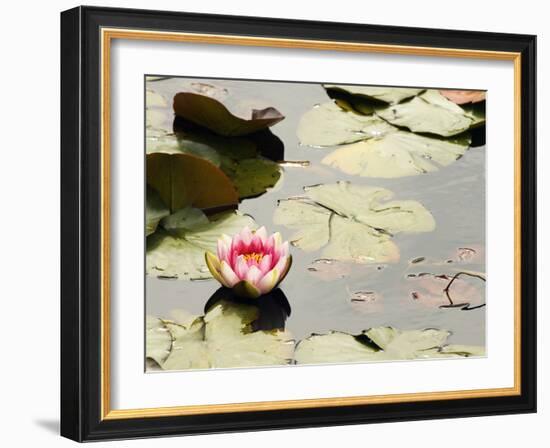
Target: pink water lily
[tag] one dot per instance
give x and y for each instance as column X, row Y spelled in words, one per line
column 251, row 263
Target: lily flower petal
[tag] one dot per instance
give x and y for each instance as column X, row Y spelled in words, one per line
column 251, row 262
column 269, row 281
column 262, row 234
column 266, row 263
column 248, row 290
column 228, row 275
column 253, row 275
column 214, row 266
column 241, row 267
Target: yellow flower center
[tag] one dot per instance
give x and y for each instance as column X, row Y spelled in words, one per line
column 253, row 256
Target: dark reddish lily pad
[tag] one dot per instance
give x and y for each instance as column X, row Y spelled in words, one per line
column 463, row 290
column 327, row 269
column 367, row 302
column 463, row 96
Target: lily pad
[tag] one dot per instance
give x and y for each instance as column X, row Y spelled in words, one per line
column 158, row 341
column 464, row 96
column 183, row 179
column 430, row 113
column 157, row 120
column 253, row 177
column 250, row 174
column 155, row 210
column 184, row 220
column 351, row 222
column 390, row 95
column 476, row 112
column 224, row 338
column 380, row 344
column 329, row 125
column 463, row 290
column 334, row 347
column 273, row 308
column 211, row 114
column 179, row 251
column 396, row 154
column 202, row 144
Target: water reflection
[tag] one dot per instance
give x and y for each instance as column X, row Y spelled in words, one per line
column 273, row 308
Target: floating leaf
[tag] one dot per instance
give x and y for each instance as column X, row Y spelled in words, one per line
column 430, row 112
column 158, row 341
column 155, row 210
column 462, row 350
column 180, row 252
column 183, row 179
column 224, row 338
column 328, row 270
column 380, row 344
column 209, row 146
column 157, row 121
column 329, row 125
column 476, row 112
column 390, row 95
column 185, row 220
column 253, row 177
column 463, row 290
column 350, row 240
column 367, row 302
column 464, row 96
column 211, row 114
column 334, row 347
column 351, row 222
column 272, row 308
column 237, row 157
column 154, row 99
column 398, row 344
column 372, row 206
column 396, row 154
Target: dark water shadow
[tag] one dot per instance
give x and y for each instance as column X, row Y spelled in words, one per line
column 273, row 308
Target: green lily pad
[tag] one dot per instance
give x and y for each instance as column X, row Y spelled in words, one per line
column 253, row 177
column 179, row 251
column 390, row 95
column 158, row 341
column 236, row 157
column 351, row 222
column 430, row 113
column 397, row 344
column 475, row 111
column 183, row 179
column 397, row 154
column 157, row 120
column 380, row 344
column 329, row 125
column 202, row 144
column 155, row 210
column 185, row 220
column 212, row 114
column 224, row 338
column 334, row 347
column 462, row 350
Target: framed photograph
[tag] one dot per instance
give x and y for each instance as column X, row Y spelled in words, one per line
column 276, row 224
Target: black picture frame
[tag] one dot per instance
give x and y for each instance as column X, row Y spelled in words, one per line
column 81, row 210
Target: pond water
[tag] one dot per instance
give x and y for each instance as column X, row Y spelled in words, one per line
column 321, row 296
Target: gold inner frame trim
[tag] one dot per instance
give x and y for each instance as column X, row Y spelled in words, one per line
column 107, row 35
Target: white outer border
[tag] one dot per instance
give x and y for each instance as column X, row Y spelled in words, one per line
column 132, row 388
